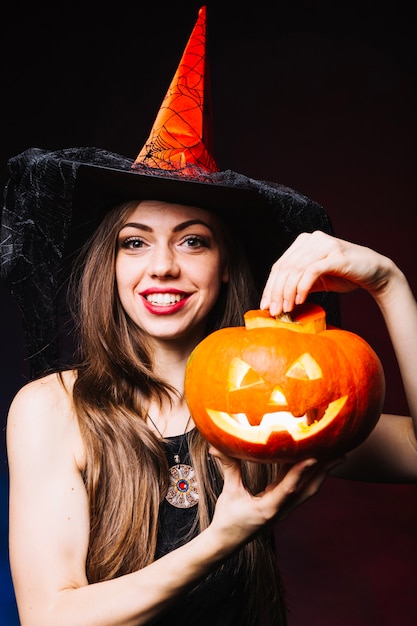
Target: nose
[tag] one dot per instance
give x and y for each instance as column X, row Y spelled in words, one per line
column 163, row 262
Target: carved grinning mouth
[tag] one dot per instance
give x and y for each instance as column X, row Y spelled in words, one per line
column 237, row 424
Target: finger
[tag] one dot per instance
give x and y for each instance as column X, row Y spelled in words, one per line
column 296, row 475
column 309, row 484
column 282, row 290
column 311, row 279
column 232, row 474
column 284, row 293
column 274, row 289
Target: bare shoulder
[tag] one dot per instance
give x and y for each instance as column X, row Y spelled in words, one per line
column 43, row 394
column 41, row 415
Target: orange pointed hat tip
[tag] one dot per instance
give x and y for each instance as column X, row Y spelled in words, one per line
column 178, row 139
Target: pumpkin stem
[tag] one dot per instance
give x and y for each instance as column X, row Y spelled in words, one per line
column 305, row 318
column 284, row 317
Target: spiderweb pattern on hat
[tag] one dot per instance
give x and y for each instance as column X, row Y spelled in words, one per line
column 181, row 138
column 54, row 199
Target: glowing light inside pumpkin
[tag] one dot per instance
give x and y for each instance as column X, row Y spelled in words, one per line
column 298, row 427
column 265, row 393
column 305, row 368
column 278, row 398
column 242, row 375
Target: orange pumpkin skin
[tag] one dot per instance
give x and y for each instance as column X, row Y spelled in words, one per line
column 274, row 391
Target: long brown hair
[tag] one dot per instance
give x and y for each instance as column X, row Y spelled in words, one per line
column 115, row 382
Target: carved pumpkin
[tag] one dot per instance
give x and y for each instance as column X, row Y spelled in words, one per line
column 276, row 390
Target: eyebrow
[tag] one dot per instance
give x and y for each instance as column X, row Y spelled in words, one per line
column 178, row 227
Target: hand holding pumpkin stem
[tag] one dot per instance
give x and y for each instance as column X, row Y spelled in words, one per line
column 320, row 262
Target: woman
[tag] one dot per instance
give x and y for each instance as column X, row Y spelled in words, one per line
column 97, row 456
column 97, row 535
column 108, row 420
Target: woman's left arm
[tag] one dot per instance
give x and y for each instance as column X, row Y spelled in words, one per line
column 390, row 452
column 320, row 262
column 399, row 309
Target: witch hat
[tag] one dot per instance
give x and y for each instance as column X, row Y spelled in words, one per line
column 54, row 200
column 181, row 137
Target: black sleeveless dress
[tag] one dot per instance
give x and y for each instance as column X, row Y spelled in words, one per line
column 219, row 599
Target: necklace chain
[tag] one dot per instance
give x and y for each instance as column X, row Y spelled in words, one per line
column 177, row 457
column 183, row 488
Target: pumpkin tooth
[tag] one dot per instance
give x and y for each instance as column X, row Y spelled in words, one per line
column 241, row 418
column 315, row 415
column 264, row 378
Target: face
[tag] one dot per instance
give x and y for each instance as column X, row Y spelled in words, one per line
column 169, row 268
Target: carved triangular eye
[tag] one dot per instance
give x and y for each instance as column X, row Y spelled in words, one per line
column 305, row 368
column 277, row 397
column 242, row 375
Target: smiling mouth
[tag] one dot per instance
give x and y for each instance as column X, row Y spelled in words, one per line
column 164, row 299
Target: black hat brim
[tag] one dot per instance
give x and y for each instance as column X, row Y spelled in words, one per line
column 266, row 217
column 248, row 214
column 54, row 200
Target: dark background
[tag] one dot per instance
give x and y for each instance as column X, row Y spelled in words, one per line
column 320, row 96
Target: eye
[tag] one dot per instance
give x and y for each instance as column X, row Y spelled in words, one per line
column 305, row 368
column 195, row 241
column 132, row 243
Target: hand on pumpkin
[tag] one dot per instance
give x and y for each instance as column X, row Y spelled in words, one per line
column 239, row 515
column 320, row 262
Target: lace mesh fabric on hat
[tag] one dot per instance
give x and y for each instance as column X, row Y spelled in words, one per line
column 181, row 138
column 38, row 228
column 53, row 201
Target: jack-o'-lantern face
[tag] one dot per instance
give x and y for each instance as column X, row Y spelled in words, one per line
column 277, row 382
column 269, row 393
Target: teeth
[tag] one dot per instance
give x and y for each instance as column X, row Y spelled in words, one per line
column 164, row 298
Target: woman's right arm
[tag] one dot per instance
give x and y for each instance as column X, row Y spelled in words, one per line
column 49, row 523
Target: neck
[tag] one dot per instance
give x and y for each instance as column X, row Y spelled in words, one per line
column 170, row 359
column 169, row 420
